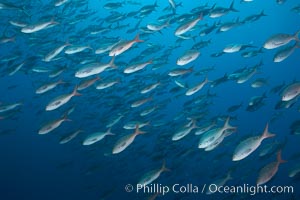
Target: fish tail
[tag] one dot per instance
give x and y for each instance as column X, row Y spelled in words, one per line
column 227, row 125
column 194, row 125
column 61, row 82
column 266, row 133
column 112, row 63
column 108, row 132
column 75, row 93
column 137, row 38
column 232, row 7
column 200, row 17
column 164, row 168
column 65, row 117
column 279, row 159
column 138, row 131
column 297, row 36
column 262, row 13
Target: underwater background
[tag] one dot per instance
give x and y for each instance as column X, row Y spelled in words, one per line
column 39, row 166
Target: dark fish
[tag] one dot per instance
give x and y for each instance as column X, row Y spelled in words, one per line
column 235, row 107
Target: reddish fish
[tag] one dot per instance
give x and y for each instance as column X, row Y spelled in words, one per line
column 123, row 46
column 268, row 171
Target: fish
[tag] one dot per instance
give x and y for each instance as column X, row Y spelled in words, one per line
column 94, row 69
column 96, row 137
column 151, row 176
column 136, row 67
column 87, row 83
column 108, row 84
column 52, row 125
column 219, row 81
column 32, row 28
column 50, row 56
column 268, row 171
column 138, row 103
column 260, row 82
column 249, row 145
column 256, row 102
column 61, row 100
column 110, row 6
column 182, row 29
column 280, row 39
column 16, row 69
column 8, row 107
column 126, row 140
column 290, row 92
column 219, row 140
column 158, row 27
column 293, row 172
column 216, row 12
column 220, row 182
column 47, row 87
column 255, row 17
column 209, row 137
column 196, row 88
column 188, row 57
column 184, row 131
column 132, row 125
column 252, row 53
column 284, row 53
column 149, row 88
column 234, row 108
column 180, row 72
column 232, row 48
column 7, row 6
column 60, row 2
column 124, row 46
column 68, row 138
column 76, row 49
column 206, row 127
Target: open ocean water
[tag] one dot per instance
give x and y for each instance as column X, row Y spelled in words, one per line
column 147, row 99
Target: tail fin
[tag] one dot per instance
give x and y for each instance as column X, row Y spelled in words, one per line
column 232, row 7
column 112, row 62
column 227, row 125
column 108, row 132
column 137, row 38
column 266, row 133
column 262, row 13
column 279, row 159
column 137, row 130
column 75, row 93
column 296, row 36
column 163, row 168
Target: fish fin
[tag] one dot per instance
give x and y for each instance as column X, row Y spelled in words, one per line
column 61, row 82
column 200, row 17
column 279, row 159
column 262, row 13
column 137, row 38
column 227, row 125
column 164, row 168
column 266, row 133
column 232, row 7
column 297, row 36
column 108, row 132
column 137, row 130
column 194, row 125
column 75, row 93
column 229, row 177
column 65, row 118
column 112, row 63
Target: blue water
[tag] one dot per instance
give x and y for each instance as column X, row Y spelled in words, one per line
column 36, row 166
